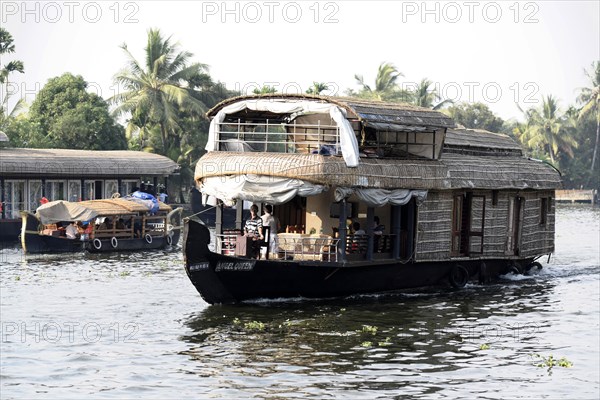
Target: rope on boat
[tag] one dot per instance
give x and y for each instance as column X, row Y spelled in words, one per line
column 198, row 213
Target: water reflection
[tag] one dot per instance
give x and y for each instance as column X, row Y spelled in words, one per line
column 377, row 343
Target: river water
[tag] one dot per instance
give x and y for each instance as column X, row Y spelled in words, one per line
column 132, row 326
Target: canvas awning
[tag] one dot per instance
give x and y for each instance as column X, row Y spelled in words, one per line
column 381, row 197
column 60, row 210
column 255, row 188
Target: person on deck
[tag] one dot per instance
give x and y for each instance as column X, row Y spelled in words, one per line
column 377, row 233
column 254, row 229
column 273, row 223
column 71, row 231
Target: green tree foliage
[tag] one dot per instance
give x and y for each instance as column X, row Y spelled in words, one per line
column 547, row 131
column 425, row 96
column 7, row 47
column 317, row 88
column 576, row 170
column 165, row 99
column 590, row 98
column 386, row 85
column 266, row 89
column 70, row 117
column 157, row 91
column 475, row 116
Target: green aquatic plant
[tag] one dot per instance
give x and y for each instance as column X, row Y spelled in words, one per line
column 125, row 273
column 254, row 326
column 369, row 329
column 484, row 346
column 551, row 362
column 366, row 344
column 386, row 342
column 17, row 278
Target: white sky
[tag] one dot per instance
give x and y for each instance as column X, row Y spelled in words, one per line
column 502, row 51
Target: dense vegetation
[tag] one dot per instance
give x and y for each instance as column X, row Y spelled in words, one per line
column 164, row 99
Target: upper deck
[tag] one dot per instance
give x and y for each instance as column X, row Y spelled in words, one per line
column 306, row 124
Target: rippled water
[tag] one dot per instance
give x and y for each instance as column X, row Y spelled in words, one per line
column 133, row 326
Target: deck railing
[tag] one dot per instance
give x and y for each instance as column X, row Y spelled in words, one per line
column 291, row 247
column 278, row 137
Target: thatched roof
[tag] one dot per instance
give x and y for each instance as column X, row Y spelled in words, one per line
column 367, row 111
column 61, row 210
column 118, row 206
column 480, row 172
column 480, row 142
column 452, row 171
column 83, row 163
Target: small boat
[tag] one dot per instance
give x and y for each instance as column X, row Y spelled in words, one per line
column 372, row 197
column 98, row 226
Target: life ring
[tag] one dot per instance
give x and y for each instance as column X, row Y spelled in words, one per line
column 148, row 238
column 514, row 269
column 458, row 276
column 97, row 243
column 533, row 267
column 169, row 240
column 114, row 242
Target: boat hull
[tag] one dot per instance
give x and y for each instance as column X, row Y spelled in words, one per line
column 224, row 279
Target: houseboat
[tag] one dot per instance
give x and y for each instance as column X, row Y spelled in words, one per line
column 28, row 175
column 98, row 226
column 435, row 203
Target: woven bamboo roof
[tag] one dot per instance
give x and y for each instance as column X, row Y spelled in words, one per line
column 482, row 172
column 83, row 163
column 367, row 111
column 453, row 171
column 480, row 141
column 107, row 207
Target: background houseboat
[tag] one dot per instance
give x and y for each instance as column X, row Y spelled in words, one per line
column 455, row 203
column 100, row 226
column 27, row 175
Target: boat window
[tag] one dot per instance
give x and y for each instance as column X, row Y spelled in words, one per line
column 128, row 186
column 35, row 194
column 110, row 187
column 15, row 198
column 378, row 141
column 74, row 190
column 89, row 192
column 55, row 190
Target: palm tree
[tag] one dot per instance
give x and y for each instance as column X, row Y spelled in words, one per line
column 590, row 98
column 545, row 130
column 386, row 86
column 7, row 47
column 157, row 91
column 425, row 97
column 266, row 89
column 317, row 88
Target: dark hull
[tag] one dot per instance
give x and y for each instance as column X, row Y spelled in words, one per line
column 10, row 230
column 36, row 244
column 223, row 279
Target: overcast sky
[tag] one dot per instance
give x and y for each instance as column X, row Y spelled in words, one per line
column 499, row 52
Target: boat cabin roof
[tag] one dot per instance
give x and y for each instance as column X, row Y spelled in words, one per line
column 376, row 114
column 61, row 210
column 83, row 163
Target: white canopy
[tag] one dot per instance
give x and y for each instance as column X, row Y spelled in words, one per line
column 348, row 142
column 61, row 210
column 381, row 197
column 257, row 188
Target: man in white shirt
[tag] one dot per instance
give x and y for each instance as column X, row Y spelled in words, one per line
column 71, row 231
